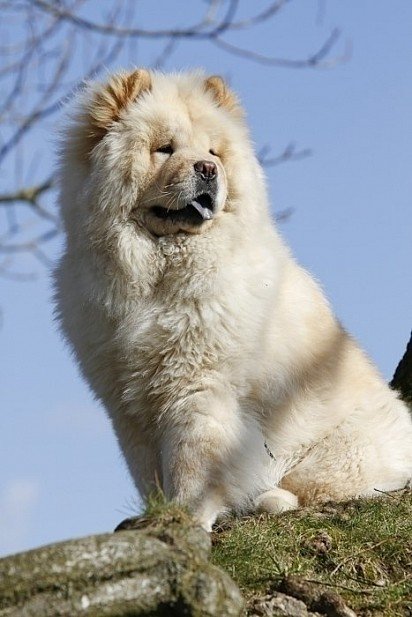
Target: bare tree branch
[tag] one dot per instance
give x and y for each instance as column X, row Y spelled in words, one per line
column 38, row 74
column 30, row 196
column 192, row 31
column 317, row 60
column 290, row 153
column 266, row 14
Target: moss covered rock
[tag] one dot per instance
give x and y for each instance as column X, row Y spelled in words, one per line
column 158, row 569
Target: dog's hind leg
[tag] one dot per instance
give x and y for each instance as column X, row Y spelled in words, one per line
column 276, row 500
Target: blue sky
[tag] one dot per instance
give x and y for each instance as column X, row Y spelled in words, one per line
column 61, row 473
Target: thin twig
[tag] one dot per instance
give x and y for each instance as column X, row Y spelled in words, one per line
column 290, row 153
column 316, row 60
column 337, row 585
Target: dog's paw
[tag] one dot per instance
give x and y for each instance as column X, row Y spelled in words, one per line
column 206, row 517
column 209, row 510
column 275, row 501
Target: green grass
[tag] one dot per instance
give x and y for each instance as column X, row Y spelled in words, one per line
column 362, row 550
column 159, row 508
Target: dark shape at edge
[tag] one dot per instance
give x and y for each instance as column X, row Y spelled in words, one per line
column 402, row 379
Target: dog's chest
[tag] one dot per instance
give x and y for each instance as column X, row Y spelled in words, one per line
column 181, row 332
column 201, row 319
column 177, row 332
column 189, row 270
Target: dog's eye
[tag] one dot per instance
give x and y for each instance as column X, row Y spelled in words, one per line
column 167, row 149
column 213, row 152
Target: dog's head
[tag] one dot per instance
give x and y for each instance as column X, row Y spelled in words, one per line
column 169, row 152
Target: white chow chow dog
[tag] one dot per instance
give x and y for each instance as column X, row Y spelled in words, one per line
column 226, row 376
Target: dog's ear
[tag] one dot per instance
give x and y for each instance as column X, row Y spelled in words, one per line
column 108, row 101
column 222, row 95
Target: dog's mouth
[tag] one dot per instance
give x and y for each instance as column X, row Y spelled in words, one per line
column 200, row 209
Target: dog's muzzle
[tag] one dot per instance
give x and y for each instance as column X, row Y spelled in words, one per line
column 202, row 206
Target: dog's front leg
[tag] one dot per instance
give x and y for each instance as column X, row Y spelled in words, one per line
column 200, row 435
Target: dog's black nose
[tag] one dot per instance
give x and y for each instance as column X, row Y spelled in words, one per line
column 207, row 169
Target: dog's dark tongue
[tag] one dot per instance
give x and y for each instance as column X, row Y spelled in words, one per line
column 205, row 213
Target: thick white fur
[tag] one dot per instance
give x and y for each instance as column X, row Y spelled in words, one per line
column 204, row 344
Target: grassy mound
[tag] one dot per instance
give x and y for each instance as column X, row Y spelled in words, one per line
column 361, row 551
